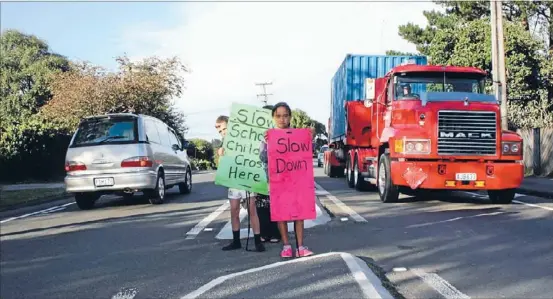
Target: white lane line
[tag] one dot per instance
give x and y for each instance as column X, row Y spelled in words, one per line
column 205, row 222
column 125, row 294
column 455, row 219
column 440, row 285
column 49, row 210
column 515, row 201
column 532, row 205
column 375, row 290
column 226, row 231
column 342, row 205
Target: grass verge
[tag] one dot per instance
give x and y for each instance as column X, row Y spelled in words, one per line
column 17, row 198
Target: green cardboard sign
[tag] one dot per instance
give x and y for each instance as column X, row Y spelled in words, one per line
column 240, row 167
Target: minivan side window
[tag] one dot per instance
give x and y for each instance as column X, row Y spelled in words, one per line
column 163, row 134
column 174, row 140
column 151, row 131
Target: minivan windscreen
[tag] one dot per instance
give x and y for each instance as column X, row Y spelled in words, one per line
column 114, row 130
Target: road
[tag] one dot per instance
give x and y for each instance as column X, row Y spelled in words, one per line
column 451, row 246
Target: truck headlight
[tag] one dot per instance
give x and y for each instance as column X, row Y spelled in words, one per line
column 412, row 146
column 511, row 148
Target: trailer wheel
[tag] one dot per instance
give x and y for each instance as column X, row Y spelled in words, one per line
column 504, row 197
column 349, row 174
column 386, row 189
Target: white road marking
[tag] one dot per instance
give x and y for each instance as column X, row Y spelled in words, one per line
column 515, row 201
column 532, row 205
column 367, row 280
column 369, row 283
column 440, row 285
column 49, row 210
column 342, row 205
column 125, row 294
column 226, row 231
column 454, row 219
column 206, row 221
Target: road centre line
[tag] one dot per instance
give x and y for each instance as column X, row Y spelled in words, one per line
column 440, row 285
column 342, row 205
column 515, row 201
column 49, row 210
column 454, row 219
column 193, row 233
column 369, row 283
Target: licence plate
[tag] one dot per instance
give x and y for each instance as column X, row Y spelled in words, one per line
column 465, row 176
column 102, row 182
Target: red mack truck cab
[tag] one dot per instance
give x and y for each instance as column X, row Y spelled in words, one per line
column 403, row 126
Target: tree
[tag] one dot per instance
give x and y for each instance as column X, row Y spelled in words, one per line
column 145, row 87
column 29, row 147
column 462, row 36
column 202, row 149
column 26, row 69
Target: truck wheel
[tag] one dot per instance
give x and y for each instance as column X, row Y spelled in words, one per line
column 386, row 189
column 349, row 174
column 502, row 196
column 86, row 201
column 359, row 181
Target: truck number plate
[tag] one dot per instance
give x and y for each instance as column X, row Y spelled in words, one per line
column 465, row 176
column 102, row 182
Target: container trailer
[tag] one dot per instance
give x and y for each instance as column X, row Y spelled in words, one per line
column 403, row 126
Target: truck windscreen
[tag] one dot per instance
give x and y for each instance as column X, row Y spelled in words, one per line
column 408, row 86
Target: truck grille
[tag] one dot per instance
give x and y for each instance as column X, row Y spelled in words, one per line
column 467, row 133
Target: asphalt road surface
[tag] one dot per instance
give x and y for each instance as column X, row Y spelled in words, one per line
column 449, row 246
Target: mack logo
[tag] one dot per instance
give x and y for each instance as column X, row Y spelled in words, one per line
column 465, row 135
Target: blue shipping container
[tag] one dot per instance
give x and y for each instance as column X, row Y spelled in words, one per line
column 348, row 84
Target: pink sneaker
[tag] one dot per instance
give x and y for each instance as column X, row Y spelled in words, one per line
column 286, row 251
column 303, row 251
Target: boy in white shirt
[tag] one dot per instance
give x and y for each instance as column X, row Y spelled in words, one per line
column 235, row 196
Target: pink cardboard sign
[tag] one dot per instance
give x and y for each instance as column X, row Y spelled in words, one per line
column 291, row 178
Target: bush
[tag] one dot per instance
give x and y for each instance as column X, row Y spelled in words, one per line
column 198, row 164
column 33, row 151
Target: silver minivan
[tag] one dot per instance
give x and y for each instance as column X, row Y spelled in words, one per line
column 124, row 153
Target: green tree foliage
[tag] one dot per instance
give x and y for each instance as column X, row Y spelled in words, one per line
column 26, row 68
column 43, row 96
column 144, row 87
column 201, row 149
column 462, row 36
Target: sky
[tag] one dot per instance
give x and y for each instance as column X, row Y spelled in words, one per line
column 227, row 46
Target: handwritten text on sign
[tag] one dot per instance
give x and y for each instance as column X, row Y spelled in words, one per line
column 291, row 181
column 240, row 166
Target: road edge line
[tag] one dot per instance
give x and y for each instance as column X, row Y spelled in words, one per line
column 369, row 283
column 341, row 205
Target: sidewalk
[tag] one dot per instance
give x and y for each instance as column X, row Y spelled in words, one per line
column 537, row 186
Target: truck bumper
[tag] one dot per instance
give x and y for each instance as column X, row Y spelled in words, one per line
column 442, row 175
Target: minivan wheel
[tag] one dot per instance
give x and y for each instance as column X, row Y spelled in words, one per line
column 157, row 195
column 186, row 187
column 85, row 201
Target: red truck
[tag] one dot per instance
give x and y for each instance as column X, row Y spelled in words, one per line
column 403, row 126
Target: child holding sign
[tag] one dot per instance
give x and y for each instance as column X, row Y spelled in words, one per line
column 282, row 115
column 234, row 196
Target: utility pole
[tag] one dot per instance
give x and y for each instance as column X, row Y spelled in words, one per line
column 264, row 94
column 498, row 59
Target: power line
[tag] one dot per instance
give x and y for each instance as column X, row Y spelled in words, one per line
column 264, row 94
